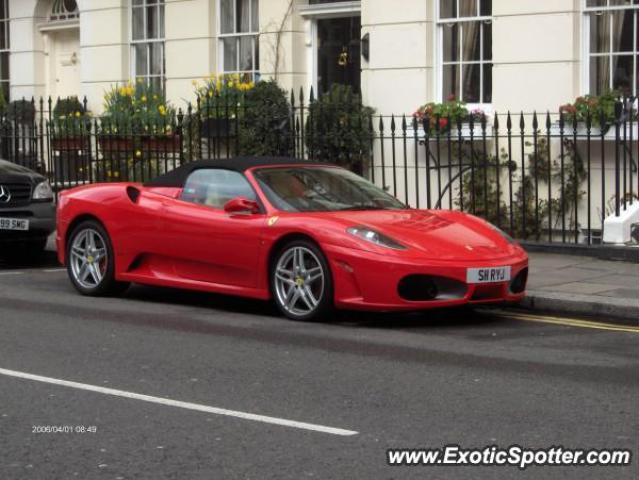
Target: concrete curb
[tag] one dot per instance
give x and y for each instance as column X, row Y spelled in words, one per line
column 603, row 308
column 601, row 252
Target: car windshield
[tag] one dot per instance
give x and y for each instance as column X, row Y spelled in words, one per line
column 322, row 189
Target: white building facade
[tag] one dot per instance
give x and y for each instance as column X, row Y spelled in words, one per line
column 518, row 55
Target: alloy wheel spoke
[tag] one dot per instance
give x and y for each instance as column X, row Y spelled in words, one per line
column 294, row 298
column 85, row 271
column 314, row 274
column 99, row 254
column 90, row 241
column 299, row 259
column 308, row 293
column 282, row 278
column 96, row 273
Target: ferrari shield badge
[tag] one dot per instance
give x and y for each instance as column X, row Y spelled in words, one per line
column 273, row 220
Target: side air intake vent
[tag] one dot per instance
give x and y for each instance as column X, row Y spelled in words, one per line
column 133, row 193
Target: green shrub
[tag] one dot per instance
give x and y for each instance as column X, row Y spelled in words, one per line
column 266, row 122
column 338, row 129
column 21, row 111
column 68, row 107
column 69, row 117
column 446, row 113
column 598, row 107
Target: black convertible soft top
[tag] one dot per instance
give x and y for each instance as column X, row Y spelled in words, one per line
column 177, row 177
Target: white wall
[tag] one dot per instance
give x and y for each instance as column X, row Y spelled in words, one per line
column 104, row 37
column 536, row 50
column 399, row 74
column 190, row 46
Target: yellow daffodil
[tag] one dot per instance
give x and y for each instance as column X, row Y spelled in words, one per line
column 162, row 110
column 78, row 114
column 138, row 153
column 143, row 98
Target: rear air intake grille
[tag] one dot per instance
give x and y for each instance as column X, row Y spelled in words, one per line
column 20, row 194
column 420, row 288
column 518, row 284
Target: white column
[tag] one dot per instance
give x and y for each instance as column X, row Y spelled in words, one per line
column 399, row 75
column 27, row 50
column 104, row 47
column 189, row 46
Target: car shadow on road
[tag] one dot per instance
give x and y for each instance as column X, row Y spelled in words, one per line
column 191, row 298
column 448, row 318
column 18, row 261
column 457, row 317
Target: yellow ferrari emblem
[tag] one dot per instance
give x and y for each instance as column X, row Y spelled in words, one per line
column 299, row 281
column 273, row 220
column 90, row 259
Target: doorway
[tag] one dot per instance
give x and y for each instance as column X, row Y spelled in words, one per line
column 338, row 52
column 64, row 63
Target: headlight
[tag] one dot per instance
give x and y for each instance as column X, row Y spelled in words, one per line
column 375, row 237
column 43, row 192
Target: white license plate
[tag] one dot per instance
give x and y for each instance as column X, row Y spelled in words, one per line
column 488, row 275
column 14, row 224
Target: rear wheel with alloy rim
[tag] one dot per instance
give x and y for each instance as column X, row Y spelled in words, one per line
column 301, row 282
column 90, row 262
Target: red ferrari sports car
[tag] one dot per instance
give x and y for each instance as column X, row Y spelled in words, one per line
column 308, row 235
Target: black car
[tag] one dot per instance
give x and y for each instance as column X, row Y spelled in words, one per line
column 27, row 209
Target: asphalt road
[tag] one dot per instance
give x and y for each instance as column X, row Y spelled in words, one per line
column 474, row 379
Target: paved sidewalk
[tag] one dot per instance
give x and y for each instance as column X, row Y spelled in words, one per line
column 579, row 285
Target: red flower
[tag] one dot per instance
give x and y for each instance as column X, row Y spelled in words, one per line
column 443, row 123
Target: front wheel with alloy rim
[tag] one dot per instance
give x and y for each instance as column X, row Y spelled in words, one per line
column 90, row 262
column 301, row 282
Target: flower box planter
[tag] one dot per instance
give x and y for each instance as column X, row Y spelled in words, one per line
column 569, row 130
column 115, row 144
column 163, row 143
column 466, row 133
column 215, row 128
column 70, row 144
column 609, row 134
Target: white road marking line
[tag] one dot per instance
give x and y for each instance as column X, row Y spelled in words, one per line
column 53, row 270
column 179, row 404
column 11, row 273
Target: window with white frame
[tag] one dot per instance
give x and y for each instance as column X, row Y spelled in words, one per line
column 238, row 37
column 466, row 50
column 613, row 45
column 4, row 48
column 147, row 41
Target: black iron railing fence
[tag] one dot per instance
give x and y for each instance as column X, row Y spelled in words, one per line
column 541, row 177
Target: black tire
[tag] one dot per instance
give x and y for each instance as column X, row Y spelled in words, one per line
column 324, row 308
column 108, row 285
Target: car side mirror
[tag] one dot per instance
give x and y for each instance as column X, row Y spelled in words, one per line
column 241, row 206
